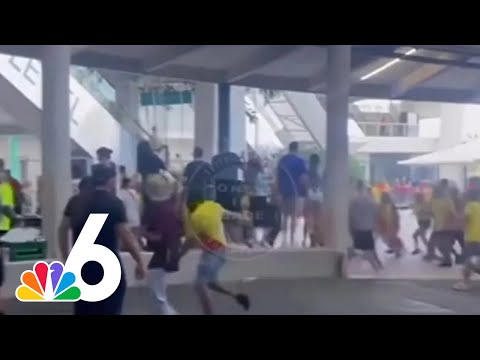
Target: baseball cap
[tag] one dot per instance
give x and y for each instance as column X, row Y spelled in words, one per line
column 102, row 174
column 104, row 151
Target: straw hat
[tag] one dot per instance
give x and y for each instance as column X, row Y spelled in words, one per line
column 161, row 187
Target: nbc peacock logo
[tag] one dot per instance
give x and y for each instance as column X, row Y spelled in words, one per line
column 63, row 283
column 48, row 283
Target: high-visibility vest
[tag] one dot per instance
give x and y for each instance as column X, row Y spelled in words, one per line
column 7, row 195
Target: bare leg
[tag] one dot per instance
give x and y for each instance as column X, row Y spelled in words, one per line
column 372, row 258
column 293, row 229
column 204, row 297
column 423, row 237
column 415, row 236
column 465, row 284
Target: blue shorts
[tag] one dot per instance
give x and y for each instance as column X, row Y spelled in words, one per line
column 211, row 262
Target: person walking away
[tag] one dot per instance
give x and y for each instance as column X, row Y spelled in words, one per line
column 148, row 163
column 362, row 217
column 17, row 192
column 389, row 225
column 206, row 222
column 314, row 225
column 162, row 226
column 291, row 179
column 100, row 201
column 423, row 213
column 443, row 211
column 472, row 240
column 7, row 195
column 131, row 202
column 198, row 178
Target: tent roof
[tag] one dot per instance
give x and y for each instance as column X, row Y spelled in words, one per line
column 461, row 154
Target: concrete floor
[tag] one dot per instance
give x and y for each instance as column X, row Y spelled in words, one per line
column 407, row 286
column 305, row 297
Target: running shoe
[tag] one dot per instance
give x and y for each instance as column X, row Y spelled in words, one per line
column 243, row 300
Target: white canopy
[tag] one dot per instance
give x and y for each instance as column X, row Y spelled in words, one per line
column 462, row 154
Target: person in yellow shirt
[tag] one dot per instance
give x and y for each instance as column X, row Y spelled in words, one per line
column 472, row 239
column 444, row 215
column 205, row 228
column 7, row 195
column 6, row 216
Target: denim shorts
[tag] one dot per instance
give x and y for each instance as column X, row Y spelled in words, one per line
column 211, row 262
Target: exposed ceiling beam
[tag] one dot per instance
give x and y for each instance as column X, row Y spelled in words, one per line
column 319, row 81
column 275, row 82
column 29, row 51
column 107, row 62
column 190, row 73
column 75, row 49
column 453, row 49
column 259, row 59
column 166, row 54
column 376, row 53
column 421, row 75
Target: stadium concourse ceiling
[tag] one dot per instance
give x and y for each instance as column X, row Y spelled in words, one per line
column 446, row 73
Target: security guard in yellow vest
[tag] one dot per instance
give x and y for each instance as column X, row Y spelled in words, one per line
column 7, row 197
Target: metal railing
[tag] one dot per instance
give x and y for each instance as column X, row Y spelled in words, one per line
column 388, row 129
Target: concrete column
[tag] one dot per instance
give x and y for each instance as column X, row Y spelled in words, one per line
column 337, row 177
column 206, row 118
column 238, row 124
column 55, row 138
column 128, row 99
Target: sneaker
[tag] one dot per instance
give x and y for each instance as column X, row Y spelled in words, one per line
column 416, row 252
column 243, row 300
column 444, row 264
column 462, row 286
column 389, row 251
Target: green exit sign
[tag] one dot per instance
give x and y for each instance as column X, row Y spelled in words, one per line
column 152, row 98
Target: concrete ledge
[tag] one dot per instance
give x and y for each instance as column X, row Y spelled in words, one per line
column 241, row 264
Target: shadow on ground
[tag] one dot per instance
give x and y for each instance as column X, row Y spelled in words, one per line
column 303, row 297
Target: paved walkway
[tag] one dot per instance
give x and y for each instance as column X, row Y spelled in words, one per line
column 306, row 297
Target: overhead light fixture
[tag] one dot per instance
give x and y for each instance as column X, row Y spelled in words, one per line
column 386, row 66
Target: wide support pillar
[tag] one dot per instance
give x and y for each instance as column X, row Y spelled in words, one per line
column 337, row 156
column 206, row 118
column 232, row 122
column 55, row 139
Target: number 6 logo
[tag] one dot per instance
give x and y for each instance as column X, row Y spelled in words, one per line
column 86, row 250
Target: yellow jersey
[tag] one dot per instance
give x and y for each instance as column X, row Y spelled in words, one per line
column 422, row 211
column 443, row 211
column 8, row 199
column 472, row 228
column 206, row 223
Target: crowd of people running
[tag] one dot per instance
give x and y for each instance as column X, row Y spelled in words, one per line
column 169, row 214
column 448, row 226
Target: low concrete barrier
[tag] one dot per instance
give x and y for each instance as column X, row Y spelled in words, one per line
column 241, row 264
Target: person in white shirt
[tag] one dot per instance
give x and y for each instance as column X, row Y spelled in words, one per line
column 131, row 201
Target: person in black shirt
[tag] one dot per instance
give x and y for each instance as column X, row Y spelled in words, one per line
column 198, row 178
column 100, row 200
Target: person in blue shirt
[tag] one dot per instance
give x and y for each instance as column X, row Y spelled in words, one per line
column 291, row 181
